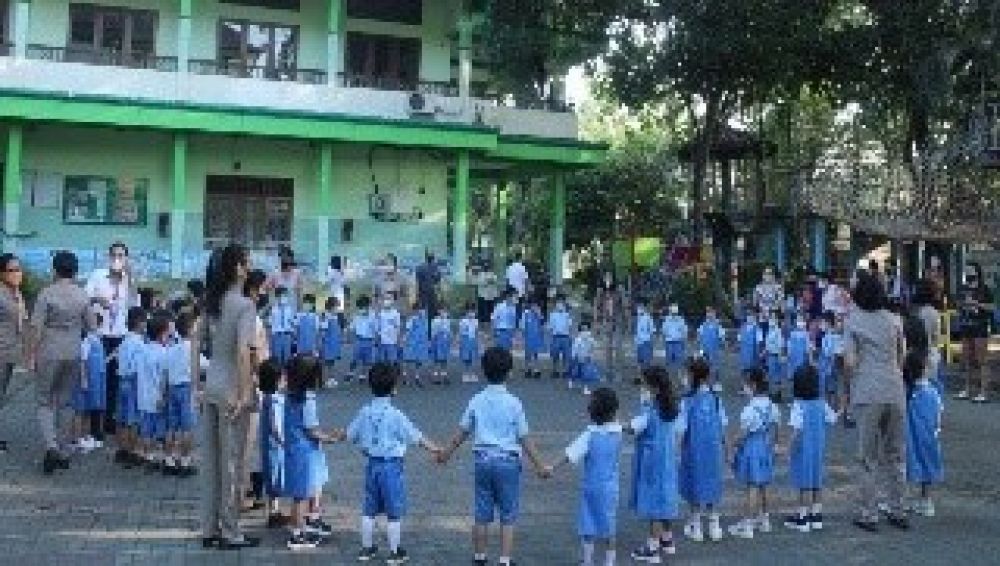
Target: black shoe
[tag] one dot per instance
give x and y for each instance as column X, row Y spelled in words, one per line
column 398, row 557
column 318, row 528
column 211, row 542
column 170, row 470
column 152, row 467
column 476, row 562
column 245, row 542
column 868, row 525
column 120, row 456
column 849, row 422
column 366, row 554
column 527, row 374
column 299, row 541
column 276, row 521
column 898, row 520
column 189, row 471
column 51, row 462
column 62, row 461
column 555, row 375
column 3, row 446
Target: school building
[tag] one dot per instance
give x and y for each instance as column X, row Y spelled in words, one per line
column 176, row 125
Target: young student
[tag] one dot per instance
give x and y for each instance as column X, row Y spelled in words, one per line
column 180, row 402
column 532, row 328
column 675, row 335
column 505, row 321
column 151, row 389
column 701, row 453
column 128, row 356
column 282, row 325
column 712, row 341
column 808, row 419
column 89, row 392
column 330, row 333
column 830, row 348
column 584, row 368
column 468, row 343
column 751, row 341
column 417, row 350
column 655, row 496
column 441, row 347
column 598, row 449
column 271, row 431
column 924, row 465
column 645, row 327
column 364, row 326
column 559, row 325
column 800, row 347
column 495, row 421
column 307, row 328
column 774, row 353
column 383, row 433
column 305, row 462
column 389, row 326
column 753, row 465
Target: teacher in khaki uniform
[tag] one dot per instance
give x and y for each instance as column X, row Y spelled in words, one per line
column 12, row 315
column 228, row 398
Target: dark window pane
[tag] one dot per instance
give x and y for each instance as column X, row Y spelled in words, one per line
column 285, row 52
column 231, row 46
column 400, row 11
column 382, row 61
column 143, row 34
column 81, row 24
column 273, row 4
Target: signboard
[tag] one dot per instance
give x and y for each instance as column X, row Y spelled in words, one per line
column 89, row 199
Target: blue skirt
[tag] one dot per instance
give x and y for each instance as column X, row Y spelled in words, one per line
column 598, row 513
column 644, row 354
column 441, row 349
column 416, row 351
column 654, row 495
column 754, row 462
column 775, row 369
column 503, row 338
column 805, row 465
column 468, row 350
column 272, row 468
column 675, row 355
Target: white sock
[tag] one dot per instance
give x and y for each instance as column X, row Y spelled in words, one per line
column 609, row 557
column 588, row 553
column 394, row 530
column 803, row 511
column 504, row 560
column 367, row 531
column 653, row 544
column 713, row 519
column 479, row 556
column 817, row 508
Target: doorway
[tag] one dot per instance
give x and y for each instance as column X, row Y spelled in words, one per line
column 256, row 212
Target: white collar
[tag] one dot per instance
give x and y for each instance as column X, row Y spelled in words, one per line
column 606, row 427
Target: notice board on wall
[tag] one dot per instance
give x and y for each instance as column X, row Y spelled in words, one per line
column 91, row 199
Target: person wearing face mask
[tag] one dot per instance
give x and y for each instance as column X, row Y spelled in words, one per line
column 559, row 324
column 675, row 337
column 505, row 321
column 307, row 327
column 768, row 293
column 800, row 347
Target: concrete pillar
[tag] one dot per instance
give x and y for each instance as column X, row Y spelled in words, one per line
column 500, row 207
column 781, row 248
column 820, row 245
column 12, row 187
column 22, row 19
column 325, row 198
column 557, row 227
column 336, row 20
column 460, row 218
column 178, row 169
column 465, row 26
column 184, row 35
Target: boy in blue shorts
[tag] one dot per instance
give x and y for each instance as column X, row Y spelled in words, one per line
column 383, row 433
column 128, row 418
column 151, row 385
column 180, row 401
column 495, row 421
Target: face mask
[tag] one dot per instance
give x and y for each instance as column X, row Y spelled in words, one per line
column 560, row 307
column 387, row 304
column 308, row 308
column 645, row 396
column 285, row 299
column 117, row 264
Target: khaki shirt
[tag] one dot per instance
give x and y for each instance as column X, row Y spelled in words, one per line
column 874, row 344
column 233, row 330
column 61, row 314
column 12, row 318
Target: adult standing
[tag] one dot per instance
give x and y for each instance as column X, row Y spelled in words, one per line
column 428, row 278
column 228, row 398
column 926, row 303
column 974, row 312
column 336, row 282
column 12, row 317
column 517, row 277
column 111, row 293
column 768, row 294
column 288, row 276
column 61, row 315
column 874, row 348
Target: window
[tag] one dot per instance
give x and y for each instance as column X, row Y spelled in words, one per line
column 111, row 36
column 273, row 4
column 266, row 51
column 254, row 211
column 398, row 11
column 4, row 15
column 385, row 62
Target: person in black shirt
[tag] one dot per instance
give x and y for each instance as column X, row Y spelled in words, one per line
column 974, row 314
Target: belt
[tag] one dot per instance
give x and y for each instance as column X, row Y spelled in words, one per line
column 281, row 332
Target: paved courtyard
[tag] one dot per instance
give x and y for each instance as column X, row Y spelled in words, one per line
column 97, row 513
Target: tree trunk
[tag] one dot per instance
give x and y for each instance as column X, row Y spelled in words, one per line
column 701, row 159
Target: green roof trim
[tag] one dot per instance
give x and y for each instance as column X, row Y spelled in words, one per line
column 559, row 151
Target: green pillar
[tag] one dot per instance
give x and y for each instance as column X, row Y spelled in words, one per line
column 460, row 218
column 178, row 206
column 184, row 35
column 12, row 186
column 465, row 25
column 336, row 18
column 325, row 198
column 557, row 230
column 501, row 206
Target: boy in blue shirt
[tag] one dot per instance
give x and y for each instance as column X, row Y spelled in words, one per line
column 383, row 433
column 675, row 336
column 389, row 326
column 495, row 421
column 504, row 322
column 645, row 327
column 307, row 328
column 151, row 387
column 128, row 420
column 180, row 402
column 282, row 324
column 560, row 323
column 364, row 326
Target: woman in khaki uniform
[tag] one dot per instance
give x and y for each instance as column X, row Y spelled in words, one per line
column 12, row 315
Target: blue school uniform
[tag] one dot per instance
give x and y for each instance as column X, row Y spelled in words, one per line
column 701, row 450
column 151, row 383
column 504, row 322
column 128, row 353
column 583, row 368
column 923, row 446
column 829, row 349
column 798, row 350
column 560, row 322
column 383, row 433
column 806, row 457
column 329, row 328
column 417, row 350
column 754, row 461
column 711, row 339
column 95, row 365
column 364, row 327
column 774, row 346
column 644, row 330
column 389, row 324
column 675, row 335
column 655, row 495
column 441, row 339
column 307, row 333
column 180, row 402
column 751, row 338
column 282, row 326
column 305, row 461
column 468, row 344
column 534, row 336
column 598, row 449
column 272, row 451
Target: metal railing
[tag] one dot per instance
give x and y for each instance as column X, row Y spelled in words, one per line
column 229, row 69
column 439, row 88
column 107, row 58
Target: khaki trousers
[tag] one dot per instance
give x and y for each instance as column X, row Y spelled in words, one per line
column 53, row 385
column 881, row 456
column 222, row 446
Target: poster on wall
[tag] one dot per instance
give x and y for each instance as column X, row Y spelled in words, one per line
column 89, row 199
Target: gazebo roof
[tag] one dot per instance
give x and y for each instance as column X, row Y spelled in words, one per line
column 730, row 144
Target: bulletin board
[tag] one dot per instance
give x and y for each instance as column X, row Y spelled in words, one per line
column 89, row 199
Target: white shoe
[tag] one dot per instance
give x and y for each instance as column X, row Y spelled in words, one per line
column 962, row 395
column 717, row 387
column 586, row 390
column 743, row 529
column 924, row 508
column 692, row 530
column 764, row 523
column 715, row 533
column 571, row 385
column 981, row 398
column 331, row 383
column 469, row 378
column 96, row 444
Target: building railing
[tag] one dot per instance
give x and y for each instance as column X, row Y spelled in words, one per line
column 439, row 88
column 106, row 58
column 229, row 69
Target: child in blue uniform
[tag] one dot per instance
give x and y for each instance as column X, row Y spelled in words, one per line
column 800, row 347
column 828, row 358
column 468, row 343
column 330, row 337
column 583, row 368
column 751, row 340
column 532, row 328
column 598, row 449
column 180, row 401
column 645, row 327
column 364, row 327
column 282, row 325
column 712, row 341
column 924, row 465
column 655, row 497
column 307, row 328
column 559, row 325
column 774, row 353
column 89, row 392
column 305, row 462
column 675, row 337
column 417, row 350
column 808, row 418
column 701, row 453
column 495, row 421
column 151, row 387
column 440, row 347
column 390, row 325
column 271, row 431
column 127, row 415
column 504, row 322
column 753, row 465
column 383, row 433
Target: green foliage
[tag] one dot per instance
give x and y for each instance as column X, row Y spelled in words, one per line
column 693, row 295
column 31, row 285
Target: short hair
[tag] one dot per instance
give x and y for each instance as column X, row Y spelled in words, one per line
column 255, row 280
column 183, row 324
column 304, row 374
column 497, row 364
column 280, row 290
column 470, row 306
column 196, row 288
column 925, row 292
column 869, row 293
column 363, row 302
column 309, row 298
column 699, row 371
column 118, row 244
column 135, row 318
column 65, row 264
column 603, row 405
column 382, row 378
column 805, row 383
column 268, row 375
column 757, row 380
column 158, row 325
column 331, row 303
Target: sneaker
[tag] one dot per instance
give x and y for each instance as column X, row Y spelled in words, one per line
column 962, row 395
column 646, row 555
column 480, row 562
column 668, row 547
column 96, row 444
column 800, row 523
column 692, row 530
column 332, row 383
column 866, row 524
column 276, row 521
column 743, row 529
column 121, row 456
column 240, row 543
column 763, row 523
column 816, row 521
column 527, row 374
column 299, row 541
column 924, row 508
column 981, row 398
column 714, row 530
column 318, row 527
column 366, row 554
column 398, row 557
column 586, row 390
column 3, row 446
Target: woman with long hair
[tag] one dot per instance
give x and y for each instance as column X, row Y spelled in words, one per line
column 12, row 315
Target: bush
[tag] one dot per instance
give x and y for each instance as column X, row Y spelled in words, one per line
column 693, row 294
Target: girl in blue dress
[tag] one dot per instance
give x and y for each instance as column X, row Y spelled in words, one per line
column 583, row 367
column 702, row 453
column 88, row 397
column 774, row 354
column 751, row 338
column 809, row 417
column 272, row 438
column 306, row 471
column 654, row 496
column 598, row 449
column 800, row 347
column 440, row 347
column 534, row 339
column 416, row 352
column 753, row 465
column 711, row 341
column 307, row 328
column 468, row 343
column 924, row 465
column 329, row 327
